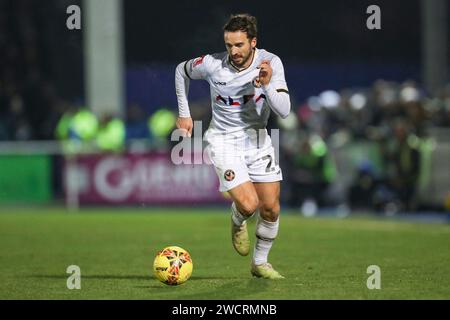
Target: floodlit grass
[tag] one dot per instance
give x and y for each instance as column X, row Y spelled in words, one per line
column 321, row 258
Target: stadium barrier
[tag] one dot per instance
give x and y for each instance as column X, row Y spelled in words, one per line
column 25, row 179
column 39, row 172
column 129, row 179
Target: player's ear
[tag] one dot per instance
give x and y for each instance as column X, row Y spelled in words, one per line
column 253, row 43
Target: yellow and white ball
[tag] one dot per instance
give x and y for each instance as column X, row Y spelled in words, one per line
column 172, row 265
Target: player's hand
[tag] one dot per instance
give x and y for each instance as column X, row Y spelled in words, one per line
column 186, row 125
column 265, row 72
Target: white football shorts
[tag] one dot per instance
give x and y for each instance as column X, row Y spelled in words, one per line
column 243, row 158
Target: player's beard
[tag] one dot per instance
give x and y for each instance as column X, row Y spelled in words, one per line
column 244, row 60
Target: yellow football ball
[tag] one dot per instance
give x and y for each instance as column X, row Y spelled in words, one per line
column 172, row 265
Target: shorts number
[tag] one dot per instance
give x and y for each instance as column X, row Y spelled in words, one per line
column 269, row 167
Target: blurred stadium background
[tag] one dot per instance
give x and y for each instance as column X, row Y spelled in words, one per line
column 86, row 115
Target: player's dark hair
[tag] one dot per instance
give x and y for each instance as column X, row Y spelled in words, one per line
column 242, row 22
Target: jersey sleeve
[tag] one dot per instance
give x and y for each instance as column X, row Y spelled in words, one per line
column 198, row 68
column 276, row 90
column 278, row 80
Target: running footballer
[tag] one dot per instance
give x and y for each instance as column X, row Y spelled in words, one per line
column 246, row 83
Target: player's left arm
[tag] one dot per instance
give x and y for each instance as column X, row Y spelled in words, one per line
column 271, row 77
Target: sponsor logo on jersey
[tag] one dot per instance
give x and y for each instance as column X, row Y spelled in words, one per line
column 229, row 175
column 230, row 101
column 220, row 83
column 237, row 101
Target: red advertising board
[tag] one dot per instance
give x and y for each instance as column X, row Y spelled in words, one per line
column 140, row 179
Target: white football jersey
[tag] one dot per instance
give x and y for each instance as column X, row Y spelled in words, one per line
column 237, row 103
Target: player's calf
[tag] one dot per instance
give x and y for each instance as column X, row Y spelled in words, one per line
column 266, row 232
column 245, row 204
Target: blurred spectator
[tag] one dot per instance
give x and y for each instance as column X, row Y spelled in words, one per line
column 111, row 134
column 17, row 122
column 311, row 171
column 403, row 160
column 76, row 129
column 371, row 116
column 160, row 125
column 366, row 190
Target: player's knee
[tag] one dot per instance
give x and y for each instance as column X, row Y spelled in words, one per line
column 270, row 210
column 249, row 205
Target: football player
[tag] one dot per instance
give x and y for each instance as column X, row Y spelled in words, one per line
column 246, row 83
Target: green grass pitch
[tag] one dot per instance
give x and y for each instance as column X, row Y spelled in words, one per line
column 321, row 258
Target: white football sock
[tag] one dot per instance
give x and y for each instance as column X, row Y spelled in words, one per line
column 266, row 232
column 238, row 218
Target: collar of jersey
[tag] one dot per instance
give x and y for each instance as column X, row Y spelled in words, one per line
column 253, row 61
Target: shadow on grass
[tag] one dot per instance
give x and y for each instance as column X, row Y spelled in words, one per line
column 114, row 277
column 99, row 277
column 193, row 278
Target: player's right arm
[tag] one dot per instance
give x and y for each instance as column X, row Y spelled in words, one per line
column 186, row 71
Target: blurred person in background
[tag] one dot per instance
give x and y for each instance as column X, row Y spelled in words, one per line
column 110, row 136
column 17, row 123
column 311, row 172
column 76, row 129
column 402, row 158
column 160, row 125
column 367, row 192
